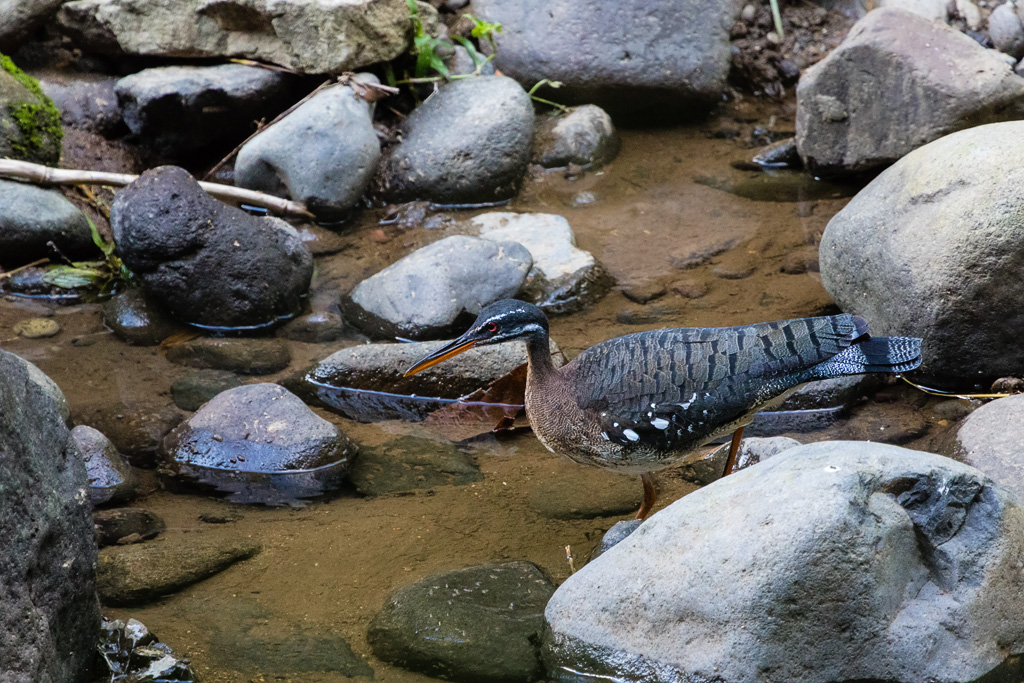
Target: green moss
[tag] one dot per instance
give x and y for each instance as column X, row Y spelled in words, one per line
column 39, row 121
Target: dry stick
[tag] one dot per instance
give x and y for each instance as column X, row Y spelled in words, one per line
column 45, row 175
column 21, row 268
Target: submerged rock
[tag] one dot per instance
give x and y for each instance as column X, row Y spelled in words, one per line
column 849, row 118
column 110, row 478
column 585, row 136
column 141, row 573
column 208, row 263
column 931, row 248
column 469, row 143
column 241, row 355
column 191, row 391
column 122, row 526
column 30, row 217
column 476, row 624
column 408, row 463
column 323, row 154
column 183, row 110
column 36, row 328
column 29, row 123
column 360, row 32
column 438, row 289
column 260, row 444
column 625, row 57
column 136, row 320
column 564, row 278
column 49, row 613
column 560, row 497
column 855, row 574
column 618, row 533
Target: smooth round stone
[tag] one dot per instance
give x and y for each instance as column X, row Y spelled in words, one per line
column 409, row 463
column 314, row 328
column 37, row 328
column 110, row 478
column 196, row 388
column 245, row 356
column 135, row 320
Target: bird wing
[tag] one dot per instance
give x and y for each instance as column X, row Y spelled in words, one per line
column 666, row 388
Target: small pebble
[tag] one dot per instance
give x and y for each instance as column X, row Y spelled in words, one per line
column 690, row 289
column 748, row 13
column 1008, row 385
column 645, row 292
column 733, row 272
column 37, row 328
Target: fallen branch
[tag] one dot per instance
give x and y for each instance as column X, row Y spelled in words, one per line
column 45, row 175
column 21, row 268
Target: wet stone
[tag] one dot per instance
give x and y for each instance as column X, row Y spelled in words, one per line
column 690, row 288
column 781, row 154
column 138, row 574
column 110, row 478
column 131, row 652
column 122, row 526
column 135, row 320
column 561, row 497
column 470, row 625
column 314, row 328
column 136, row 430
column 584, row 136
column 37, row 328
column 409, row 463
column 244, row 356
column 618, row 532
column 648, row 315
column 259, row 444
column 644, row 292
column 191, row 391
column 31, row 216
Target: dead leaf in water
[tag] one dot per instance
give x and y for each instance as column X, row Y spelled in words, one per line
column 492, row 409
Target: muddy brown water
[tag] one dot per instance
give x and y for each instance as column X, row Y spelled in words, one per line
column 655, row 220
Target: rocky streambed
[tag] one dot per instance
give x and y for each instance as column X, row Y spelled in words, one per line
column 218, row 391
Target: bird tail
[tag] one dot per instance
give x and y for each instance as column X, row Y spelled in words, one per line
column 875, row 354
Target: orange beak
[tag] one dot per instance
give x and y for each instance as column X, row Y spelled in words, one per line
column 442, row 354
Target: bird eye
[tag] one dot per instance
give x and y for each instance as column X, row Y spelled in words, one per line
column 492, row 327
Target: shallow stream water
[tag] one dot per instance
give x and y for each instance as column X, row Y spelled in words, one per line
column 669, row 213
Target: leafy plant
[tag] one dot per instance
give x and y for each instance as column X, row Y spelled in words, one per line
column 428, row 50
column 425, row 46
column 551, row 84
column 103, row 275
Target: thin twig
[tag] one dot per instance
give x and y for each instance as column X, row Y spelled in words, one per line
column 21, row 268
column 45, row 175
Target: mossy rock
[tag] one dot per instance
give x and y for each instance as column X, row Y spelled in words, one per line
column 29, row 122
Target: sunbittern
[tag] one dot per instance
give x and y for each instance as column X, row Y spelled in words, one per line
column 641, row 402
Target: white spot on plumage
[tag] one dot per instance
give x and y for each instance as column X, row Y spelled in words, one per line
column 631, row 435
column 604, row 435
column 615, row 424
column 692, row 399
column 659, row 423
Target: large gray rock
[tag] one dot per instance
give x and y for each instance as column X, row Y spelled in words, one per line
column 247, row 441
column 896, row 83
column 469, row 143
column 471, row 625
column 992, row 439
column 20, row 17
column 29, row 123
column 564, row 278
column 48, row 387
column 208, row 263
column 931, row 248
column 623, row 56
column 292, row 33
column 832, row 561
column 49, row 617
column 323, row 154
column 439, row 289
column 183, row 110
column 585, row 136
column 31, row 216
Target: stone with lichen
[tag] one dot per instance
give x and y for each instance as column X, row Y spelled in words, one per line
column 29, row 122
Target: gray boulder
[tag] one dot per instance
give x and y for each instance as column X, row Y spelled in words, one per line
column 470, row 625
column 31, row 216
column 931, row 248
column 179, row 111
column 246, row 442
column 896, row 83
column 1006, row 30
column 86, row 101
column 21, row 17
column 439, row 289
column 48, row 387
column 208, row 263
column 29, row 123
column 359, row 32
column 323, row 154
column 623, row 56
column 49, row 617
column 469, row 143
column 564, row 278
column 992, row 440
column 585, row 137
column 832, row 561
column 110, row 478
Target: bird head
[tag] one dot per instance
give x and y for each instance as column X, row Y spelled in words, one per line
column 502, row 321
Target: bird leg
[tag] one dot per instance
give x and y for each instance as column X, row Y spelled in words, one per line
column 733, row 448
column 650, row 496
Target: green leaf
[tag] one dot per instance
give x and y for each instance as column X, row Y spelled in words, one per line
column 106, row 247
column 74, row 277
column 474, row 54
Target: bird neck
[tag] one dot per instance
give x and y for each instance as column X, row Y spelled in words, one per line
column 538, row 351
